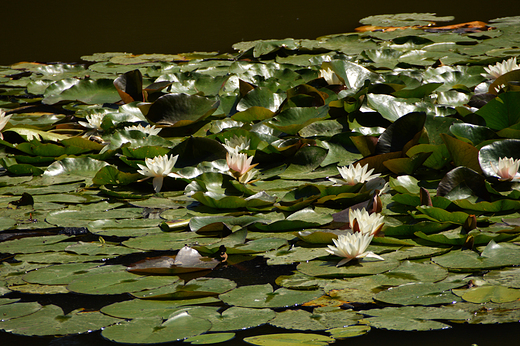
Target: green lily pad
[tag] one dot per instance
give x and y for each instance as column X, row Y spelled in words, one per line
column 58, row 274
column 50, row 320
column 87, row 91
column 495, row 256
column 180, row 109
column 348, row 332
column 483, row 294
column 419, row 293
column 116, row 283
column 262, row 296
column 288, row 339
column 153, row 330
column 405, row 324
column 197, row 288
column 237, row 318
column 207, row 339
column 320, row 268
column 15, row 310
column 143, row 308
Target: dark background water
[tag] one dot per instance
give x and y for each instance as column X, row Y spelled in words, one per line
column 36, row 30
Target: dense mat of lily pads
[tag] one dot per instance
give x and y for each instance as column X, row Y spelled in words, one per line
column 384, row 163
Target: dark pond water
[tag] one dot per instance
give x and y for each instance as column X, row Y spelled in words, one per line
column 35, row 30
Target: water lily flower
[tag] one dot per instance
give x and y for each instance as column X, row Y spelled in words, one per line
column 4, row 119
column 500, row 68
column 363, row 222
column 507, row 169
column 330, row 76
column 240, row 166
column 351, row 246
column 236, row 144
column 158, row 168
column 94, row 121
column 149, row 130
column 354, row 174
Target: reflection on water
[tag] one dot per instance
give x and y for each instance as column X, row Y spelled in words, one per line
column 35, row 30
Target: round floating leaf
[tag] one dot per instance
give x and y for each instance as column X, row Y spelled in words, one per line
column 328, row 268
column 509, row 277
column 501, row 112
column 207, row 339
column 348, row 332
column 237, row 318
column 87, row 91
column 15, row 310
column 483, row 294
column 262, row 296
column 166, row 241
column 496, row 256
column 50, row 320
column 180, row 109
column 419, row 293
column 58, row 274
column 420, row 312
column 411, row 272
column 305, row 218
column 153, row 330
column 35, row 244
column 405, row 324
column 304, row 320
column 200, row 287
column 117, row 283
column 463, row 154
column 474, row 133
column 139, row 308
column 391, row 108
column 289, row 339
column 289, row 255
column 402, row 131
column 292, row 120
column 260, row 97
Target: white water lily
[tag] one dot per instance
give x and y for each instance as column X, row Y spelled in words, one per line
column 351, row 246
column 236, row 144
column 4, row 119
column 507, row 169
column 363, row 222
column 330, row 76
column 240, row 166
column 150, row 130
column 158, row 168
column 500, row 68
column 354, row 174
column 94, row 121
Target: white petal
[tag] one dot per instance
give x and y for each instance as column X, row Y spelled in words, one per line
column 157, row 183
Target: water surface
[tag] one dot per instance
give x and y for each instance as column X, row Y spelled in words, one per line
column 35, row 30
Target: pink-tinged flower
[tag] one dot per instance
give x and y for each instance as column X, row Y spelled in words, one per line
column 500, row 68
column 158, row 168
column 240, row 166
column 354, row 174
column 507, row 169
column 363, row 222
column 351, row 246
column 4, row 119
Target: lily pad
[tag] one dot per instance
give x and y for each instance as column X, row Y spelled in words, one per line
column 263, row 296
